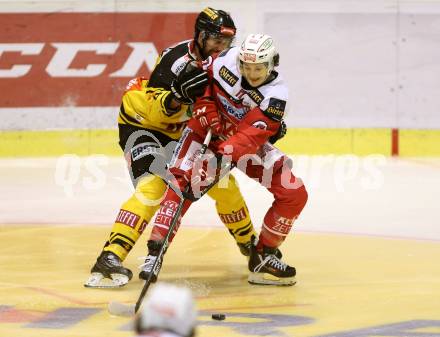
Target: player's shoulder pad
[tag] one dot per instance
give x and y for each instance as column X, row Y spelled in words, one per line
column 228, row 76
column 176, row 58
column 176, row 49
column 275, row 109
column 224, row 52
column 226, row 67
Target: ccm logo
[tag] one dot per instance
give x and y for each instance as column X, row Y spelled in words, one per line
column 65, row 53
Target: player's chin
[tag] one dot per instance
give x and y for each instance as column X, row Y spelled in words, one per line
column 255, row 83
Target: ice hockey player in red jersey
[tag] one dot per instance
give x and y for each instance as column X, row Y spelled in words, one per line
column 244, row 107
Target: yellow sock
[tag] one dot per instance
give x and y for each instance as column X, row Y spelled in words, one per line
column 232, row 209
column 134, row 215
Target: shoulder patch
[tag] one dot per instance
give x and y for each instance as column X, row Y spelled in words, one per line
column 228, row 76
column 179, row 64
column 256, row 96
column 276, row 108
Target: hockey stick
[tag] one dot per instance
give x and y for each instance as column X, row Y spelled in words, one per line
column 120, row 309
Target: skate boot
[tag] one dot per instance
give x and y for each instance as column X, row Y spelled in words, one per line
column 108, row 272
column 150, row 260
column 245, row 248
column 266, row 268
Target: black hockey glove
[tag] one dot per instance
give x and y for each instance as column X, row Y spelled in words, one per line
column 280, row 133
column 189, row 84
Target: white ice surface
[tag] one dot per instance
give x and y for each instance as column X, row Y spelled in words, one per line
column 347, row 194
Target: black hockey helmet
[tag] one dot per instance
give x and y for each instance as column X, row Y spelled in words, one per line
column 215, row 22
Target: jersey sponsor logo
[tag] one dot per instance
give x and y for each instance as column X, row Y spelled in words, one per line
column 72, row 64
column 228, row 76
column 142, row 227
column 127, row 218
column 235, row 216
column 276, row 108
column 179, row 64
column 144, row 149
column 230, row 109
column 249, row 57
column 283, row 226
column 256, row 96
column 165, row 215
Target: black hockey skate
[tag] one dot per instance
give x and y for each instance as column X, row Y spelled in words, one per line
column 108, row 272
column 150, row 260
column 266, row 268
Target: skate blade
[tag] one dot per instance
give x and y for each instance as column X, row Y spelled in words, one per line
column 97, row 280
column 268, row 279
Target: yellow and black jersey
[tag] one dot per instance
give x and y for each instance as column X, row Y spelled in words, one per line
column 144, row 103
column 144, row 107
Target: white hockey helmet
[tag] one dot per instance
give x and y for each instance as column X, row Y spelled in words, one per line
column 259, row 48
column 168, row 307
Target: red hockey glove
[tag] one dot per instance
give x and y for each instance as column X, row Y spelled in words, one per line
column 192, row 182
column 206, row 116
column 179, row 178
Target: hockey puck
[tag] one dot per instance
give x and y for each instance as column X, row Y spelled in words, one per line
column 218, row 317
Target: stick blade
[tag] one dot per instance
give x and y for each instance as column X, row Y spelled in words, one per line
column 120, row 309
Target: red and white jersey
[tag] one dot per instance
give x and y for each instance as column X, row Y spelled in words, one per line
column 235, row 98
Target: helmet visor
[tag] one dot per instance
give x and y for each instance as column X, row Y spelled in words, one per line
column 221, row 40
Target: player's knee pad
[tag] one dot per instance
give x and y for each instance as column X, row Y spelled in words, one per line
column 226, row 191
column 150, row 190
column 290, row 199
column 295, row 199
column 146, row 199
